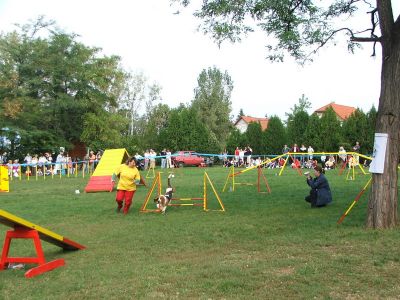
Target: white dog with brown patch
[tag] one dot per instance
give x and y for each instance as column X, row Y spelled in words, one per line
column 162, row 201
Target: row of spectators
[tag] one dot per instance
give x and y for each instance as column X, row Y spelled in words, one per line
column 49, row 163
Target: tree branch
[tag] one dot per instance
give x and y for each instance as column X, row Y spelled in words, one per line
column 364, row 39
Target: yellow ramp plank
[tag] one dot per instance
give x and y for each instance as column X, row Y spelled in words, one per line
column 109, row 161
column 10, row 220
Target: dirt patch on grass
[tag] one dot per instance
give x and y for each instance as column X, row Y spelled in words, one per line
column 285, row 271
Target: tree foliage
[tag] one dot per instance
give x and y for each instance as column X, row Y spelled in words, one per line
column 212, row 102
column 275, row 136
column 50, row 86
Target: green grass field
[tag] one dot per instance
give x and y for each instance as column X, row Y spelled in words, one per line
column 265, row 246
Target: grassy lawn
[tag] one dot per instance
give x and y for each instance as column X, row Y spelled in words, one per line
column 265, row 246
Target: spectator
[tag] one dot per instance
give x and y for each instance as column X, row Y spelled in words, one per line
column 92, row 159
column 3, row 158
column 356, row 148
column 342, row 155
column 146, row 159
column 163, row 154
column 330, row 164
column 247, row 152
column 285, row 149
column 169, row 160
column 303, row 149
column 310, row 152
column 152, row 159
column 323, row 158
column 237, row 152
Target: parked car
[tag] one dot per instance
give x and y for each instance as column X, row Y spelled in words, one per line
column 187, row 158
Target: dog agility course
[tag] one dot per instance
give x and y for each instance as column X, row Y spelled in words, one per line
column 264, row 246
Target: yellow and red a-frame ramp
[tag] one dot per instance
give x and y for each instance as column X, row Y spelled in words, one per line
column 101, row 178
column 24, row 229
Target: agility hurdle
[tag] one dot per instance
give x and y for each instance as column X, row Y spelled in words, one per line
column 26, row 230
column 260, row 175
column 195, row 201
column 232, row 174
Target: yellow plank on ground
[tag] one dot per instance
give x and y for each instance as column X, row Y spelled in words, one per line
column 109, row 161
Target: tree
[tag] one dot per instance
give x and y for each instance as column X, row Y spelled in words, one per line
column 233, row 140
column 185, row 131
column 212, row 102
column 296, row 127
column 313, row 134
column 331, row 131
column 274, row 137
column 50, row 86
column 356, row 128
column 254, row 134
column 301, row 28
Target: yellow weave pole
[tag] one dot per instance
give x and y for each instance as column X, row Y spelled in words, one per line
column 36, row 175
column 284, row 165
column 354, row 202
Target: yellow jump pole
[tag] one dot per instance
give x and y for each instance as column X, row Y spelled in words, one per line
column 362, row 169
column 36, row 175
column 230, row 174
column 284, row 165
column 215, row 191
column 204, row 192
column 156, row 182
column 28, row 172
column 354, row 202
column 20, row 172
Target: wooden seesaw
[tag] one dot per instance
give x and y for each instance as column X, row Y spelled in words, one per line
column 26, row 230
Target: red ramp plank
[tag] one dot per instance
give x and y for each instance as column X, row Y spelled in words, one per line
column 99, row 184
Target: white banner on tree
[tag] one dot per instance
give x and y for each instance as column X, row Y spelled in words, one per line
column 379, row 154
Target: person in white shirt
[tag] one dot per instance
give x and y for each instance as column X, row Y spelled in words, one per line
column 310, row 152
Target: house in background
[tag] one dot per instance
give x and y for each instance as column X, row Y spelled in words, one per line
column 342, row 111
column 243, row 122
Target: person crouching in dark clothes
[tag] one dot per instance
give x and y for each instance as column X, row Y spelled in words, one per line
column 320, row 194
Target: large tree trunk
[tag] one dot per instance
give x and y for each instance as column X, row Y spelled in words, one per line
column 382, row 205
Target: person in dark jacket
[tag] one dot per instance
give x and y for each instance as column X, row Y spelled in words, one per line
column 320, row 194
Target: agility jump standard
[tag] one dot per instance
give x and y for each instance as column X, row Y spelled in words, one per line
column 191, row 201
column 232, row 173
column 260, row 174
column 26, row 230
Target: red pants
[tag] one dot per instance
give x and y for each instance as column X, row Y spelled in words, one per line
column 124, row 195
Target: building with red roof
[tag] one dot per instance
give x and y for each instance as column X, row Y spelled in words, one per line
column 342, row 111
column 243, row 122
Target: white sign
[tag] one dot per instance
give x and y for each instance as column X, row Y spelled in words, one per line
column 378, row 156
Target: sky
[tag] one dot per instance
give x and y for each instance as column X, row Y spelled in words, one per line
column 169, row 50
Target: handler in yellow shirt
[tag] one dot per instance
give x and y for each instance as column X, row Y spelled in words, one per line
column 128, row 176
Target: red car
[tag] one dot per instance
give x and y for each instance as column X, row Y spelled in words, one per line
column 187, row 158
